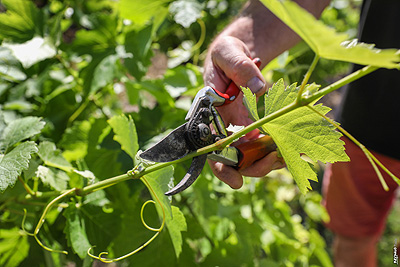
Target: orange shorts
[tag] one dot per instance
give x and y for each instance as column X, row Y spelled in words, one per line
column 353, row 195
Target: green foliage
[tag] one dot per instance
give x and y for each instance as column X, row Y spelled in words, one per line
column 326, row 42
column 14, row 247
column 13, row 163
column 62, row 128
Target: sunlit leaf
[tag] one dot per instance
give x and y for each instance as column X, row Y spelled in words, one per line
column 19, row 130
column 53, row 157
column 56, row 179
column 10, row 67
column 301, row 132
column 21, row 21
column 32, row 51
column 125, row 134
column 186, row 12
column 175, row 220
column 140, row 12
column 14, row 247
column 14, row 162
column 326, row 42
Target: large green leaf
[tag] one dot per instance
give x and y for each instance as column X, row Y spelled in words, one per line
column 301, row 131
column 20, row 129
column 21, row 21
column 125, row 134
column 326, row 42
column 14, row 162
column 175, row 220
column 14, row 247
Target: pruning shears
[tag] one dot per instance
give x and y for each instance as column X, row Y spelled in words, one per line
column 196, row 133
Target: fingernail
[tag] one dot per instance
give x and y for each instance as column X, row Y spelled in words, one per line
column 255, row 84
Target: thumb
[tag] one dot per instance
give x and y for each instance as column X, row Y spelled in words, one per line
column 231, row 57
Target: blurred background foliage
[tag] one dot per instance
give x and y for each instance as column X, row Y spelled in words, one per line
column 76, row 64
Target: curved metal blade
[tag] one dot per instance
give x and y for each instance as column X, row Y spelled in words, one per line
column 171, row 147
column 194, row 171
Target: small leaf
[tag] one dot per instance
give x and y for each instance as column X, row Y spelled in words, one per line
column 175, row 220
column 234, row 128
column 14, row 162
column 76, row 232
column 53, row 157
column 104, row 73
column 125, row 134
column 186, row 12
column 56, row 179
column 175, row 227
column 14, row 247
column 326, row 42
column 19, row 130
column 250, row 101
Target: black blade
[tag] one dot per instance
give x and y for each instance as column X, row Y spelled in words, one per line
column 194, row 171
column 171, row 147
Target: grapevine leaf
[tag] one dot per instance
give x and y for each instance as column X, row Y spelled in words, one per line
column 250, row 101
column 53, row 157
column 21, row 21
column 33, row 51
column 137, row 44
column 14, row 247
column 125, row 134
column 175, row 227
column 326, row 42
column 186, row 12
column 174, row 220
column 14, row 162
column 76, row 232
column 140, row 12
column 302, row 131
column 10, row 67
column 75, row 140
column 56, row 179
column 19, row 130
column 104, row 73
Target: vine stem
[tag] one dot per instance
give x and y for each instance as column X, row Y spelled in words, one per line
column 307, row 77
column 135, row 173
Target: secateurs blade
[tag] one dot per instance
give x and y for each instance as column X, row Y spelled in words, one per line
column 196, row 133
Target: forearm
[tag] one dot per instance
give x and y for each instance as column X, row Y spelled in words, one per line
column 263, row 33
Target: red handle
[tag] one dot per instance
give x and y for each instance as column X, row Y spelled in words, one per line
column 232, row 91
column 254, row 150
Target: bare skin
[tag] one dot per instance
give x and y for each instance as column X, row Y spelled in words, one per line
column 258, row 33
column 255, row 33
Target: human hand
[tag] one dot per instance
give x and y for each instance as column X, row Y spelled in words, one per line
column 229, row 59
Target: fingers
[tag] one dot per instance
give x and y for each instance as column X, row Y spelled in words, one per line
column 260, row 168
column 230, row 59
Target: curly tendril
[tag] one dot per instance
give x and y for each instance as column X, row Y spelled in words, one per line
column 42, row 220
column 157, row 230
